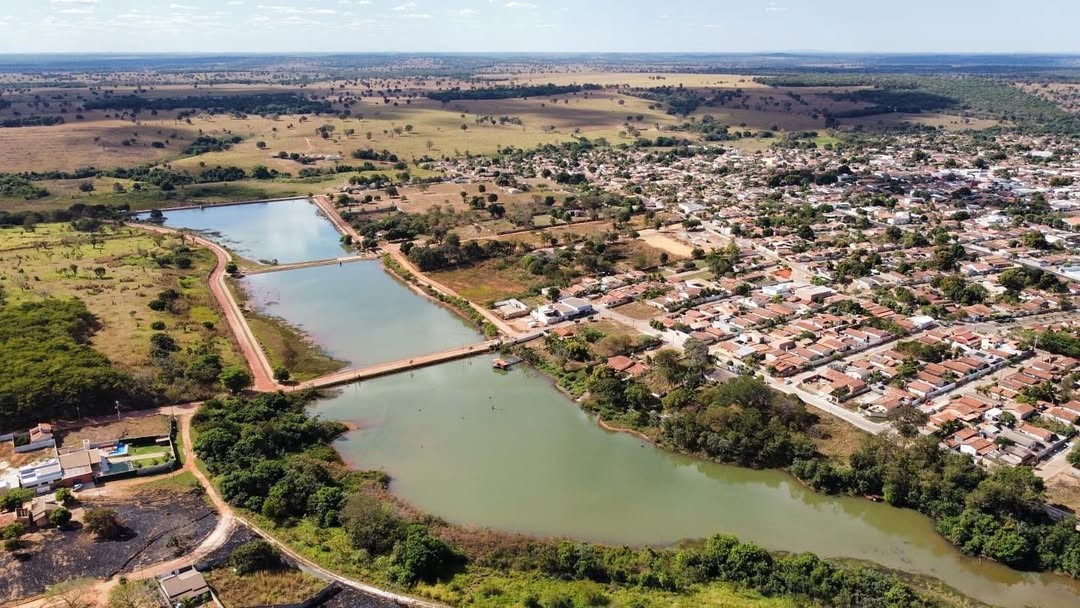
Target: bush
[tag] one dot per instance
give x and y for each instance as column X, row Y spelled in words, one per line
column 157, row 325
column 12, row 531
column 281, row 373
column 64, row 496
column 254, row 556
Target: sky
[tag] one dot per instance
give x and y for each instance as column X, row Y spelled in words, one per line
column 285, row 26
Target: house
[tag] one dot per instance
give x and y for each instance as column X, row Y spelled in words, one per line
column 40, row 473
column 563, row 310
column 511, row 309
column 80, row 466
column 186, row 588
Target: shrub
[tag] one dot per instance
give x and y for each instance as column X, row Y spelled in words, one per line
column 157, row 325
column 254, row 556
column 64, row 496
column 12, row 531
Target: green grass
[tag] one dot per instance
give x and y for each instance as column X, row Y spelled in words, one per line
column 180, row 482
column 485, row 588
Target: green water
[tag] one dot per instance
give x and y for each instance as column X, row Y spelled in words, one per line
column 509, row 452
column 287, row 231
column 358, row 313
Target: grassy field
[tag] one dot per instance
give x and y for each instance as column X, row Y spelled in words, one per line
column 489, row 281
column 632, row 79
column 115, row 275
column 262, row 588
column 835, row 438
column 91, row 143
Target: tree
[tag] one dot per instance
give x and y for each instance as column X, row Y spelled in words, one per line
column 235, row 379
column 254, row 556
column 59, row 517
column 1074, row 456
column 13, row 499
column 421, row 557
column 102, row 523
column 281, row 373
column 908, row 420
column 371, row 526
column 140, row 594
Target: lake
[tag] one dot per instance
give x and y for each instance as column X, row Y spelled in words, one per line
column 288, row 231
column 358, row 313
column 509, row 452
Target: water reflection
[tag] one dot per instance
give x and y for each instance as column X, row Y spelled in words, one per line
column 287, row 231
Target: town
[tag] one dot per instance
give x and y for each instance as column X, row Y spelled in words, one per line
column 488, row 331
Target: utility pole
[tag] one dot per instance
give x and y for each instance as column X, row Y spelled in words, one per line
column 117, row 410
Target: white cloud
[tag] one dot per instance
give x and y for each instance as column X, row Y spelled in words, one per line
column 408, row 6
column 182, row 7
column 73, row 1
column 516, row 4
column 467, row 12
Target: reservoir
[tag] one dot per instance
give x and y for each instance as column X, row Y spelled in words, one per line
column 288, row 231
column 358, row 313
column 509, row 452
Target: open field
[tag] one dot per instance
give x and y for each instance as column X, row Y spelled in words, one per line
column 668, row 243
column 835, row 438
column 115, row 274
column 637, row 310
column 281, row 586
column 1064, row 489
column 489, row 281
column 141, row 426
column 87, row 144
column 948, row 122
column 632, row 79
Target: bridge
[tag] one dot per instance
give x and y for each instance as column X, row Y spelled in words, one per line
column 395, row 367
column 327, row 262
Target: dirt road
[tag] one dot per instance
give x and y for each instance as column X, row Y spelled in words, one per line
column 261, row 371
